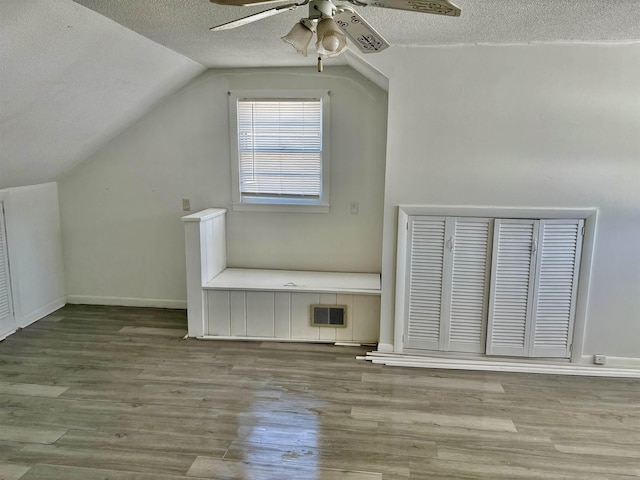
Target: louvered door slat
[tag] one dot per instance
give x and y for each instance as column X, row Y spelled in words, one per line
column 511, row 287
column 425, row 271
column 7, row 324
column 469, row 285
column 554, row 300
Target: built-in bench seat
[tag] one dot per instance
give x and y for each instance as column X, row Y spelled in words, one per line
column 296, row 281
column 233, row 303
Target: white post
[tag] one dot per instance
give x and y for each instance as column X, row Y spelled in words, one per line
column 205, row 249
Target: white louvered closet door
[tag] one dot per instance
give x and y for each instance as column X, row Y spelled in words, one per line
column 553, row 307
column 512, row 270
column 466, row 293
column 425, row 268
column 7, row 323
column 448, row 283
column 533, row 287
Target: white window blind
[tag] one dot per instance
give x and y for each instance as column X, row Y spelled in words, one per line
column 280, row 148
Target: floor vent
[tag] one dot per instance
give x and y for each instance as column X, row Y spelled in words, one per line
column 329, row 315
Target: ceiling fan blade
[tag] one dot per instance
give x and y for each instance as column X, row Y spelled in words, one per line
column 439, row 7
column 244, row 3
column 359, row 31
column 255, row 17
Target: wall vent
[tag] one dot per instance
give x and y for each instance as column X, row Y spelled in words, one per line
column 328, row 315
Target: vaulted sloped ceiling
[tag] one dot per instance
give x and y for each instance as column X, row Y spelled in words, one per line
column 73, row 74
column 70, row 80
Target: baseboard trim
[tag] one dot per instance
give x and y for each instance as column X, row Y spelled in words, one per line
column 6, row 334
column 41, row 312
column 632, row 362
column 126, row 301
column 338, row 343
column 406, row 360
column 385, row 347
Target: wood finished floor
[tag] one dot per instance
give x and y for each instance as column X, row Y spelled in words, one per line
column 97, row 393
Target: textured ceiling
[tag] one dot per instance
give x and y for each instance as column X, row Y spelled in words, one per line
column 182, row 25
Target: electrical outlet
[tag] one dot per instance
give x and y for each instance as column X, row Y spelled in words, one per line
column 599, row 359
column 186, row 205
column 354, row 208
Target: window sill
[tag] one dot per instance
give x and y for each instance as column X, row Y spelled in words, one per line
column 281, row 207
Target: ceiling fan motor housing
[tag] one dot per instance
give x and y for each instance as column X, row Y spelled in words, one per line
column 321, row 9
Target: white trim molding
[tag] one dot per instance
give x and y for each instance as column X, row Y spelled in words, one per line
column 625, row 362
column 507, row 365
column 40, row 313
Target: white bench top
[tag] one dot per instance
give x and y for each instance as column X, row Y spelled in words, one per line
column 203, row 215
column 296, row 281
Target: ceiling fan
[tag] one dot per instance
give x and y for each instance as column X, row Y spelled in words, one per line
column 333, row 23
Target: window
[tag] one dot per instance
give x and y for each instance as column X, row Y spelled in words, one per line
column 279, row 148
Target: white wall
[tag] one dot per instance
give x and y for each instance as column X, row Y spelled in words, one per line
column 121, row 209
column 528, row 125
column 35, row 251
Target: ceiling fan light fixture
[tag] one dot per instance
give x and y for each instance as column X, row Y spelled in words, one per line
column 331, row 40
column 299, row 37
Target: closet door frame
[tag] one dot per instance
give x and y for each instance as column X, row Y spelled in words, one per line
column 589, row 215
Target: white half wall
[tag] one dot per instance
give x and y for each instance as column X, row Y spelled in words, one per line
column 524, row 126
column 121, row 209
column 35, row 251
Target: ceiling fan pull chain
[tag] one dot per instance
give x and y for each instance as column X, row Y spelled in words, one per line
column 320, row 66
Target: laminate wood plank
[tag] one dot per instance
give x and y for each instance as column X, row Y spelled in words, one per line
column 30, row 389
column 8, row 449
column 127, row 439
column 30, row 434
column 308, row 457
column 461, row 421
column 64, row 472
column 109, row 459
column 67, row 328
column 456, row 470
column 560, row 462
column 165, row 332
column 442, row 434
column 11, row 405
column 601, row 449
column 56, row 374
column 222, row 428
column 12, row 472
column 171, row 395
column 432, row 382
column 365, row 442
column 238, row 470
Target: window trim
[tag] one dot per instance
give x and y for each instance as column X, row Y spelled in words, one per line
column 266, row 204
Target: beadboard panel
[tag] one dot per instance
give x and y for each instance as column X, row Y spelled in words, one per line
column 286, row 316
column 218, row 313
column 260, row 314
